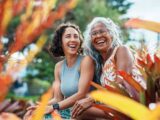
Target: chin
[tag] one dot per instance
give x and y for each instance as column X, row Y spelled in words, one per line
column 101, row 48
column 73, row 53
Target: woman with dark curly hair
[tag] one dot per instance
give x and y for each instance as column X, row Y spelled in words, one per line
column 73, row 74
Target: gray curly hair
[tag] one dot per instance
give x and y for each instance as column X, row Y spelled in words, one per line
column 113, row 30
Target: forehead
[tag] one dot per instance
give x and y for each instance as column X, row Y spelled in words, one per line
column 70, row 30
column 98, row 26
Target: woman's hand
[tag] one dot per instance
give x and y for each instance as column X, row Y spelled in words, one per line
column 81, row 105
column 49, row 109
column 28, row 115
column 32, row 108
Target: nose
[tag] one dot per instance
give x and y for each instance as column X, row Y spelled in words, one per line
column 98, row 35
column 72, row 38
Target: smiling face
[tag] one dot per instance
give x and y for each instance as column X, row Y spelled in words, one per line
column 70, row 41
column 100, row 38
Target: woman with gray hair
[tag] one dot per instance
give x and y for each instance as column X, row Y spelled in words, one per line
column 102, row 43
column 113, row 30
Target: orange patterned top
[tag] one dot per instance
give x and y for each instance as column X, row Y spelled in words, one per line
column 109, row 72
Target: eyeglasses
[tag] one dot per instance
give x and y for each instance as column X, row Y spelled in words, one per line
column 100, row 32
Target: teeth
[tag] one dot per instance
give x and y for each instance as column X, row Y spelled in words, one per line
column 72, row 46
column 100, row 41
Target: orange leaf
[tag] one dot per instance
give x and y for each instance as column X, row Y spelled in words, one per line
column 131, row 81
column 56, row 115
column 112, row 89
column 138, row 23
column 5, row 82
column 141, row 62
column 39, row 112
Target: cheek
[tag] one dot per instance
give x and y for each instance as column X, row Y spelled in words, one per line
column 93, row 39
column 92, row 42
column 64, row 45
column 80, row 43
column 109, row 38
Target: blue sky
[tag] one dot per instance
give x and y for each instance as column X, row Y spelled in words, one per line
column 147, row 10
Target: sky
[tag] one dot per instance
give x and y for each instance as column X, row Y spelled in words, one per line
column 147, row 10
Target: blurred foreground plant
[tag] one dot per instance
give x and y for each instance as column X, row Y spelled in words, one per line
column 116, row 100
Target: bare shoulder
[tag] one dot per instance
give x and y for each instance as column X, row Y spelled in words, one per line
column 87, row 60
column 123, row 51
column 58, row 66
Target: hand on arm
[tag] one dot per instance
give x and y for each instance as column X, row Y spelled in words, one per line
column 81, row 106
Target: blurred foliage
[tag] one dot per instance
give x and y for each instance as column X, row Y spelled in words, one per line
column 37, row 86
column 42, row 67
column 25, row 98
column 121, row 5
column 85, row 11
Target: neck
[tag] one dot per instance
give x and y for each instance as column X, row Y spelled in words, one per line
column 106, row 54
column 71, row 59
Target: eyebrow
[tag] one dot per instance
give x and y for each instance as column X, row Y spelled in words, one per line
column 70, row 33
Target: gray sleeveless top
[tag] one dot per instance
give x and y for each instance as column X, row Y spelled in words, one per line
column 70, row 77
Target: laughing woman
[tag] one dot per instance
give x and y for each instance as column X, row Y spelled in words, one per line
column 73, row 74
column 103, row 44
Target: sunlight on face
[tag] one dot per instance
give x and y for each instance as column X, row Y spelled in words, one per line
column 71, row 41
column 100, row 37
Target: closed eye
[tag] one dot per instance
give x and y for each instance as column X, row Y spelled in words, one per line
column 68, row 36
column 76, row 36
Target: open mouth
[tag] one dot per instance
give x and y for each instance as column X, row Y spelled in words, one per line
column 72, row 45
column 100, row 42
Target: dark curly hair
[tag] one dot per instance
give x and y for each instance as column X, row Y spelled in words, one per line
column 56, row 48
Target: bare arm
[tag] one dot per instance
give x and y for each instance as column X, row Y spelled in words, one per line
column 56, row 85
column 86, row 75
column 57, row 92
column 124, row 61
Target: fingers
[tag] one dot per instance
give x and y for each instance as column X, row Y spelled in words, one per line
column 77, row 110
column 74, row 109
column 32, row 107
column 48, row 110
column 27, row 115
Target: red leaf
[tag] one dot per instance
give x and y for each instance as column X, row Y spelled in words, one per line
column 149, row 62
column 131, row 81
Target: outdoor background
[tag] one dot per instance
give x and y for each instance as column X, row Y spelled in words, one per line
column 27, row 21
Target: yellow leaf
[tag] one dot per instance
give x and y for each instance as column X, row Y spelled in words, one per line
column 155, row 114
column 123, row 104
column 39, row 112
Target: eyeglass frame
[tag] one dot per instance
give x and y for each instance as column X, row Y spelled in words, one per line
column 100, row 32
